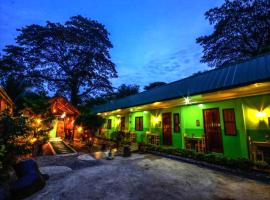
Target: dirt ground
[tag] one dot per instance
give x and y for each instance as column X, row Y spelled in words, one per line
column 142, row 177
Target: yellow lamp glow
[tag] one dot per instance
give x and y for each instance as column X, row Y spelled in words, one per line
column 156, row 120
column 131, row 109
column 118, row 121
column 33, row 140
column 63, row 115
column 260, row 114
column 79, row 129
column 38, row 121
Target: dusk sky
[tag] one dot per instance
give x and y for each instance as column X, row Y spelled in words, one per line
column 154, row 40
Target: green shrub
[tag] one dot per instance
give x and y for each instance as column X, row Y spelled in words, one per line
column 215, row 158
column 261, row 165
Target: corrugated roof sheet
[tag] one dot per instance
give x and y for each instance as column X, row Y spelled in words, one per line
column 239, row 74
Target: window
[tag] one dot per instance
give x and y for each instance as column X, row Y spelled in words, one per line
column 176, row 123
column 139, row 123
column 109, row 124
column 229, row 121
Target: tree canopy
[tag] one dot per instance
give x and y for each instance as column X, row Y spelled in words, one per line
column 153, row 85
column 241, row 31
column 72, row 58
column 126, row 90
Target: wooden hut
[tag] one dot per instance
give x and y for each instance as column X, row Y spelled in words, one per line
column 65, row 114
column 5, row 101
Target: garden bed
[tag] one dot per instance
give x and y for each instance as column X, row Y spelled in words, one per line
column 238, row 166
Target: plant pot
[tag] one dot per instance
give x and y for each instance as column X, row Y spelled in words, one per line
column 126, row 151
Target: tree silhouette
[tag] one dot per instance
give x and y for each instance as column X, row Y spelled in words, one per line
column 153, row 85
column 71, row 58
column 241, row 31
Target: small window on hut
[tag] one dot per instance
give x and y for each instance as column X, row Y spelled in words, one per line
column 109, row 124
column 176, row 123
column 139, row 123
column 229, row 121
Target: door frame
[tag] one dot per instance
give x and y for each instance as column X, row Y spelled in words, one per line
column 206, row 135
column 170, row 140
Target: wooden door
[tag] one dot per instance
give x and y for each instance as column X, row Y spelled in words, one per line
column 60, row 131
column 212, row 130
column 122, row 124
column 167, row 128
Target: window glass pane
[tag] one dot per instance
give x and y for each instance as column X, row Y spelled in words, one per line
column 229, row 121
column 139, row 123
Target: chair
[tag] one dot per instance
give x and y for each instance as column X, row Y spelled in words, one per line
column 254, row 152
column 132, row 137
column 157, row 140
column 187, row 144
column 200, row 146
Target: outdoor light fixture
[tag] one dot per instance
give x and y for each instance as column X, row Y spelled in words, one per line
column 79, row 129
column 156, row 103
column 99, row 114
column 63, row 115
column 260, row 114
column 118, row 110
column 144, row 111
column 187, row 100
column 105, row 114
column 118, row 115
column 156, row 120
column 131, row 109
column 200, row 105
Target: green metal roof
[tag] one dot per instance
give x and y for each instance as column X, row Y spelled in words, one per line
column 252, row 71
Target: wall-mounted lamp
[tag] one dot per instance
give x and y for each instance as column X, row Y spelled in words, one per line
column 63, row 115
column 187, row 100
column 156, row 119
column 200, row 105
column 260, row 114
column 79, row 129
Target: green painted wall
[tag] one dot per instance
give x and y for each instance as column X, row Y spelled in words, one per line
column 52, row 133
column 234, row 146
column 257, row 127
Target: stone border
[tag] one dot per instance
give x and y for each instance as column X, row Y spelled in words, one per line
column 53, row 151
column 255, row 175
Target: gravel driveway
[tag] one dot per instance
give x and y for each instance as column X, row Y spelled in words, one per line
column 143, row 177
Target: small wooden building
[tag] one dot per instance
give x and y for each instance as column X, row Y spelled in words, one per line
column 5, row 102
column 66, row 115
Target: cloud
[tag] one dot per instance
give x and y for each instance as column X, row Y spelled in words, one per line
column 167, row 68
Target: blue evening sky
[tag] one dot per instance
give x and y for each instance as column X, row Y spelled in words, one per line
column 154, row 40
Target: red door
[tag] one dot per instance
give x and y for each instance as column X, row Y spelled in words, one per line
column 167, row 128
column 122, row 124
column 212, row 130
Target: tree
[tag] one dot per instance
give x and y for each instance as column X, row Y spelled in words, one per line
column 16, row 88
column 153, row 85
column 241, row 31
column 72, row 58
column 126, row 90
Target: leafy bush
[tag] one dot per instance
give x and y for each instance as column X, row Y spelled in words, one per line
column 214, row 158
column 261, row 165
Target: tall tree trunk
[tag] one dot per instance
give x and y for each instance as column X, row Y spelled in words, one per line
column 74, row 96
